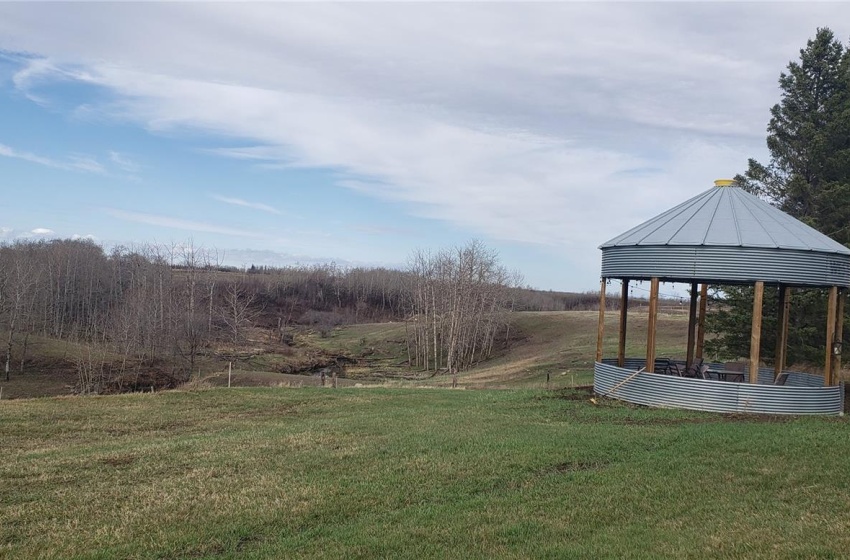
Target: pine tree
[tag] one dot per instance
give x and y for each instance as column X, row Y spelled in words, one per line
column 808, row 177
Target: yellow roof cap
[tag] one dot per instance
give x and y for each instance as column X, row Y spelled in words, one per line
column 724, row 182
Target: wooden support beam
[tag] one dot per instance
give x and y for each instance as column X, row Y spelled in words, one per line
column 831, row 313
column 839, row 336
column 651, row 326
column 600, row 332
column 755, row 334
column 703, row 302
column 692, row 320
column 782, row 331
column 624, row 313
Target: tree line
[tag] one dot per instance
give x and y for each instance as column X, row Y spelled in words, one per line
column 162, row 307
column 808, row 177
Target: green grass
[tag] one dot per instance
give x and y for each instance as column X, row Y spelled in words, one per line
column 413, row 473
column 563, row 345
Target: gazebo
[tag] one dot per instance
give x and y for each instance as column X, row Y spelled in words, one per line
column 725, row 236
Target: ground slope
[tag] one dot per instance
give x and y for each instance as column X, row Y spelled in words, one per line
column 413, row 473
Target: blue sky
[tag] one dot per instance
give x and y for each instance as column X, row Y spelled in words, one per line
column 282, row 133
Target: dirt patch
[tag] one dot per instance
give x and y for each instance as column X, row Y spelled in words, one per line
column 758, row 418
column 119, row 460
column 581, row 393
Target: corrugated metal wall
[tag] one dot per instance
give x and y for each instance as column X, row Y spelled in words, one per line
column 795, row 378
column 726, row 265
column 668, row 391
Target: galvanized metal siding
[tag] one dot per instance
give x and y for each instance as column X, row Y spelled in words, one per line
column 727, row 265
column 667, row 391
column 795, row 378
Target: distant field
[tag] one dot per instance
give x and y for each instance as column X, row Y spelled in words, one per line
column 563, row 344
column 413, row 473
column 560, row 344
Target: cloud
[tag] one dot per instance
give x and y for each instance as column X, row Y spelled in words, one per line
column 75, row 163
column 88, row 237
column 177, row 223
column 42, row 231
column 551, row 124
column 247, row 257
column 246, row 204
column 7, row 151
column 123, row 162
column 382, row 231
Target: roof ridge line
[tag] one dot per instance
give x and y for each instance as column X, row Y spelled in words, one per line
column 784, row 225
column 707, row 198
column 745, row 203
column 735, row 220
column 681, row 208
column 711, row 221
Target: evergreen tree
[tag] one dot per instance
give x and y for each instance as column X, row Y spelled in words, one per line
column 808, row 177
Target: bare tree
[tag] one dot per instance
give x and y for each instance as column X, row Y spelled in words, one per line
column 458, row 301
column 238, row 310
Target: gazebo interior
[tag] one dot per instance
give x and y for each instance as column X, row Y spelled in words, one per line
column 724, row 236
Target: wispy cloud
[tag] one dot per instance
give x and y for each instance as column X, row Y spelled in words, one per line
column 124, row 162
column 88, row 237
column 246, row 204
column 557, row 124
column 178, row 223
column 381, row 230
column 74, row 163
column 9, row 152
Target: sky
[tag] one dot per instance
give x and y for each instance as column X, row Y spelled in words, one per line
column 279, row 133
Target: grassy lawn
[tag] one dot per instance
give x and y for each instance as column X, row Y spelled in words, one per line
column 413, row 473
column 563, row 345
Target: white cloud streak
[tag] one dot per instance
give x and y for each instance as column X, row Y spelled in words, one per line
column 551, row 124
column 178, row 223
column 246, row 204
column 75, row 163
column 123, row 162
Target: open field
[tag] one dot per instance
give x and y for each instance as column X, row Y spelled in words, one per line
column 559, row 344
column 404, row 473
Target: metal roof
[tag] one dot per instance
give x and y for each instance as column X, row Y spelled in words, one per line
column 728, row 217
column 727, row 234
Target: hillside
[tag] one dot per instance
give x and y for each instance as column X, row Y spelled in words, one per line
column 561, row 344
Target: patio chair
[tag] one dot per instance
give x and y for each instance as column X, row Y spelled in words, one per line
column 697, row 369
column 673, row 368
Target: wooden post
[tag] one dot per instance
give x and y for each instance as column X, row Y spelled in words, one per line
column 782, row 335
column 229, row 373
column 692, row 320
column 703, row 303
column 755, row 334
column 831, row 312
column 624, row 312
column 600, row 331
column 839, row 336
column 650, row 328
